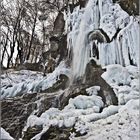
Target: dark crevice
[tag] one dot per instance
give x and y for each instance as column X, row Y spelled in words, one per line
column 106, row 36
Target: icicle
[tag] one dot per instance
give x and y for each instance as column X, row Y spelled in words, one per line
column 122, row 49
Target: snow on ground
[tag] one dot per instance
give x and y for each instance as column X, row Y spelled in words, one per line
column 114, row 122
column 79, row 111
column 5, row 135
column 77, row 107
column 24, row 81
column 122, row 126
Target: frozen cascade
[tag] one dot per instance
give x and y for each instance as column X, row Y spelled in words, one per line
column 78, row 37
column 121, row 29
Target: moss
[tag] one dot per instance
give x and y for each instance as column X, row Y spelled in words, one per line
column 130, row 6
column 31, row 132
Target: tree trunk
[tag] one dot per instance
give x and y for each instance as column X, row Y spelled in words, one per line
column 32, row 37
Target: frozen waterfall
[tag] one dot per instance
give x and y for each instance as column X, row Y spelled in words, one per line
column 82, row 22
column 121, row 30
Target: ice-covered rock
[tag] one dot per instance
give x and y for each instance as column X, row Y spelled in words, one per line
column 124, row 80
column 20, row 82
column 116, row 74
column 84, row 102
column 124, row 125
column 93, row 90
column 5, row 135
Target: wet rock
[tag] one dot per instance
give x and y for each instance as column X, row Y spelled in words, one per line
column 56, row 133
column 15, row 113
column 47, row 101
column 130, row 6
column 31, row 132
column 72, row 92
column 63, row 48
column 83, row 3
column 57, row 52
column 62, row 83
column 59, row 24
column 58, row 47
column 93, row 78
column 50, row 66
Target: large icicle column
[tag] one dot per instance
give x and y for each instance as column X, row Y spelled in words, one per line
column 82, row 22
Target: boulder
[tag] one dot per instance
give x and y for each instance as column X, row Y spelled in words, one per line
column 93, row 78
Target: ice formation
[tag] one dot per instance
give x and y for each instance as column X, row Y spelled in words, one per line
column 5, row 135
column 124, row 81
column 118, row 47
column 24, row 81
column 118, row 126
column 121, row 30
column 81, row 109
column 83, row 112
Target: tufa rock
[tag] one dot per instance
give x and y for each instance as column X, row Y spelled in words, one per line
column 93, row 78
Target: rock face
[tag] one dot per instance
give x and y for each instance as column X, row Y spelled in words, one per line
column 83, row 3
column 130, row 6
column 93, row 78
column 71, row 92
column 15, row 113
column 58, row 47
column 59, row 24
column 61, row 84
column 56, row 53
column 30, row 66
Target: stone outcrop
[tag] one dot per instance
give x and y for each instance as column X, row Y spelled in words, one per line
column 83, row 3
column 130, row 6
column 15, row 112
column 59, row 24
column 62, row 83
column 93, row 78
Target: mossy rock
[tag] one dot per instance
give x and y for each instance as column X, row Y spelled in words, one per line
column 130, row 6
column 31, row 132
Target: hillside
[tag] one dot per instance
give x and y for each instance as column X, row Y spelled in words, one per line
column 70, row 70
